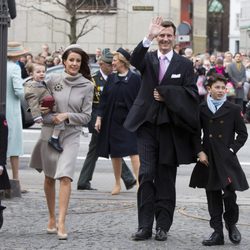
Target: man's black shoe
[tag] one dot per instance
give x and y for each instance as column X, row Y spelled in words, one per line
column 85, row 187
column 142, row 234
column 54, row 143
column 233, row 234
column 214, row 240
column 161, row 234
column 130, row 185
column 1, row 215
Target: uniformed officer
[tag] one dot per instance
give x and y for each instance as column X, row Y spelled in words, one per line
column 99, row 79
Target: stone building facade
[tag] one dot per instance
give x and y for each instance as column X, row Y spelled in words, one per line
column 244, row 24
column 123, row 26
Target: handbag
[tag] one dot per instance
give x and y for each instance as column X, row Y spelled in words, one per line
column 230, row 90
column 48, row 102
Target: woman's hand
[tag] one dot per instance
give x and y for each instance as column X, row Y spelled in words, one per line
column 1, row 170
column 44, row 110
column 61, row 117
column 98, row 123
column 203, row 158
column 157, row 96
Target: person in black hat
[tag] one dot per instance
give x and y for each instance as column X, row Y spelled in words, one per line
column 99, row 79
column 118, row 96
column 4, row 178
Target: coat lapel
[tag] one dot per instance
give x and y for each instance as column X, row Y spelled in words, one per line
column 155, row 63
column 172, row 65
column 224, row 109
column 125, row 80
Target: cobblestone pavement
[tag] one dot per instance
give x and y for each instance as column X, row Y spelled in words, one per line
column 97, row 220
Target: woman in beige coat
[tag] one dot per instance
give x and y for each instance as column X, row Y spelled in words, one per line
column 73, row 93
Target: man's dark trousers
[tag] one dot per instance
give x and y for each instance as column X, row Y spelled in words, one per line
column 156, row 195
column 90, row 163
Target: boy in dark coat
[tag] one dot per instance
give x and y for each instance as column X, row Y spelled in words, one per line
column 218, row 169
column 4, row 179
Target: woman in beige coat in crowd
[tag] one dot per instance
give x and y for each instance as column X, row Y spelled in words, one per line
column 73, row 93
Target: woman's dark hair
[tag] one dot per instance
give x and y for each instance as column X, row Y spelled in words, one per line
column 214, row 78
column 84, row 68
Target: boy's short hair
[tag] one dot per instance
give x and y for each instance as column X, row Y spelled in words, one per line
column 30, row 67
column 214, row 78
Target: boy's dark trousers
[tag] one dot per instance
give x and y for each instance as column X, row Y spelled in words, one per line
column 215, row 200
column 90, row 163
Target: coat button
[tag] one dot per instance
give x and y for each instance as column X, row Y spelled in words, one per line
column 210, row 135
column 221, row 121
column 220, row 136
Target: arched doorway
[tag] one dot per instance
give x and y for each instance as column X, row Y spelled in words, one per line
column 217, row 25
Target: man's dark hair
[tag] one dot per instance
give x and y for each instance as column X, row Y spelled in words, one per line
column 214, row 78
column 167, row 24
column 237, row 53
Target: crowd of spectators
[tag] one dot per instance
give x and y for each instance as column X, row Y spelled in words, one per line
column 236, row 69
column 205, row 64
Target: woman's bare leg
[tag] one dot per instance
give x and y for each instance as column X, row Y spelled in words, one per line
column 64, row 195
column 135, row 161
column 117, row 167
column 14, row 162
column 50, row 193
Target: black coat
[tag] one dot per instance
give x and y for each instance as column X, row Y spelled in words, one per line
column 116, row 100
column 4, row 179
column 177, row 117
column 99, row 83
column 219, row 131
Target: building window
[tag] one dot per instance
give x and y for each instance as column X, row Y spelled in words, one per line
column 237, row 20
column 98, row 5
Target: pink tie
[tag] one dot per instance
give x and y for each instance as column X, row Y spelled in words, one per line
column 163, row 67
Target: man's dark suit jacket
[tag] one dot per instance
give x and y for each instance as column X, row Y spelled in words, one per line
column 178, row 112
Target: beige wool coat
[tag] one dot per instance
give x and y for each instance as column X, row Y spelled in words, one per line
column 34, row 92
column 74, row 95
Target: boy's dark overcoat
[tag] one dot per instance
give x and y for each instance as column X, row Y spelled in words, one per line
column 221, row 131
column 4, row 179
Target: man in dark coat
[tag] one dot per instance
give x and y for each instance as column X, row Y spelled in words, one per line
column 4, row 179
column 99, row 79
column 218, row 169
column 165, row 116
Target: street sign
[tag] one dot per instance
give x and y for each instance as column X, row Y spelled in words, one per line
column 184, row 38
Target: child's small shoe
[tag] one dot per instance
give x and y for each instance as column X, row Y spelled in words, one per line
column 54, row 143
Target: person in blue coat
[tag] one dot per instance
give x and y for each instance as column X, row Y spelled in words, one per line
column 117, row 98
column 14, row 93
